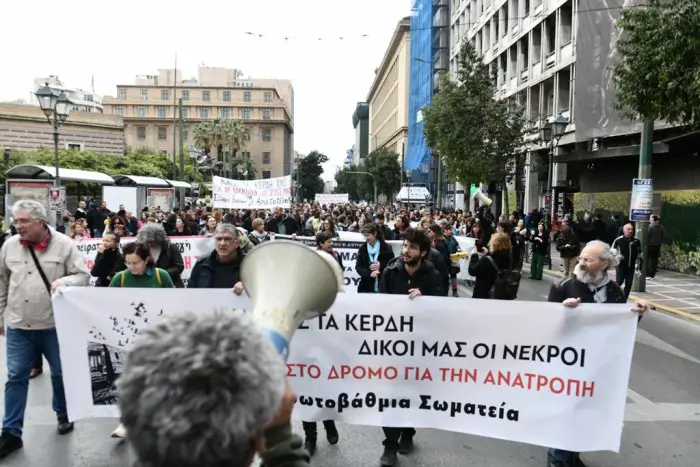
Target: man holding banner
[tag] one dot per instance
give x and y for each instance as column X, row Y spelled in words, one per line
column 33, row 265
column 409, row 274
column 590, row 283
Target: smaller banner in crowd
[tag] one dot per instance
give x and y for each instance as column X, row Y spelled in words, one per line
column 191, row 249
column 266, row 193
column 348, row 244
column 331, row 198
column 536, row 372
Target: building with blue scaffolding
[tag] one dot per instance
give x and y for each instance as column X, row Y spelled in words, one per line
column 429, row 61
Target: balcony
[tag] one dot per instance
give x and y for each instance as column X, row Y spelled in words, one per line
column 551, row 59
column 524, row 75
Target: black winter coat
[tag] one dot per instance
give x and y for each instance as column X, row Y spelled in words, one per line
column 386, row 254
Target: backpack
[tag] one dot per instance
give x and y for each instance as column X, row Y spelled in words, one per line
column 160, row 282
column 507, row 282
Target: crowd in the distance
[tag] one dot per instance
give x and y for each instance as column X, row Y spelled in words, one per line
column 207, row 389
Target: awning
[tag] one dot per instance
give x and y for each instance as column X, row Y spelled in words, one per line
column 179, row 184
column 139, row 180
column 45, row 172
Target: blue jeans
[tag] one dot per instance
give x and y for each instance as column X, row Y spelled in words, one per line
column 561, row 455
column 23, row 349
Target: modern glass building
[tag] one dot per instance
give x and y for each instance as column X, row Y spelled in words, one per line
column 429, row 61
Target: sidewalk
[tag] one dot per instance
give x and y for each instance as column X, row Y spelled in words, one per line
column 671, row 292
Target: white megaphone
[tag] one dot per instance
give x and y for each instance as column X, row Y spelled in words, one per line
column 482, row 198
column 288, row 282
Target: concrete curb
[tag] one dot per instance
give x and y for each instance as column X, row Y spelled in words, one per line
column 657, row 306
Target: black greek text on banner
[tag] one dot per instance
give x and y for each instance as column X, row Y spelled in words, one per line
column 473, row 366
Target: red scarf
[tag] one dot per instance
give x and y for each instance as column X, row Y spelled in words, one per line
column 41, row 246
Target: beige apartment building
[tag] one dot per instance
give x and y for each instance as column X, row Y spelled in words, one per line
column 24, row 127
column 388, row 96
column 149, row 110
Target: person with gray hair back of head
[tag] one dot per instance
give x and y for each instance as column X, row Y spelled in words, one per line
column 207, row 389
column 165, row 255
column 590, row 283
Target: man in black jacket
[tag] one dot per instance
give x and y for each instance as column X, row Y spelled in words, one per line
column 628, row 248
column 222, row 268
column 589, row 283
column 413, row 275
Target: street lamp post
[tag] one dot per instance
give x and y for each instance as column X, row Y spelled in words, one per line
column 56, row 107
column 374, row 181
column 550, row 133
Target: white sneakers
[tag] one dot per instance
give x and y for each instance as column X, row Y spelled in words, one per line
column 119, row 432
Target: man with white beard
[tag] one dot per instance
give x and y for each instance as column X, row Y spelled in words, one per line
column 590, row 283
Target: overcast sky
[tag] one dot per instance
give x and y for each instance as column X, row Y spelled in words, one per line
column 117, row 40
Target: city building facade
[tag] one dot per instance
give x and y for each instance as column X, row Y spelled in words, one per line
column 266, row 106
column 428, row 64
column 360, row 122
column 388, row 95
column 25, row 128
column 82, row 101
column 534, row 47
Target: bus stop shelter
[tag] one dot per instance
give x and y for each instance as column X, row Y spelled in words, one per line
column 146, row 192
column 32, row 181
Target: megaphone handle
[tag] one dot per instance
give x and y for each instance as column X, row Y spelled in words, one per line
column 279, row 342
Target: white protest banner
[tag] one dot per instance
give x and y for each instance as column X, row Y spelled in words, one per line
column 347, row 249
column 349, row 242
column 536, row 372
column 191, row 249
column 266, row 193
column 331, row 198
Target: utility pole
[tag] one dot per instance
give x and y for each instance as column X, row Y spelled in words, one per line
column 438, row 184
column 175, row 120
column 182, row 152
column 403, row 160
column 646, row 151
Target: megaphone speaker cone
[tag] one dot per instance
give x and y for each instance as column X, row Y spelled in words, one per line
column 289, row 282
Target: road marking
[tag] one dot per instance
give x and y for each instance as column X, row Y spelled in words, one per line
column 662, row 413
column 638, row 398
column 644, row 337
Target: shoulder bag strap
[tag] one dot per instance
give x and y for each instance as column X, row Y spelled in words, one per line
column 40, row 269
column 490, row 258
column 160, row 284
column 121, row 278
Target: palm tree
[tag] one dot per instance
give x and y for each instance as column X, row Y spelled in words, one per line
column 232, row 135
column 204, row 137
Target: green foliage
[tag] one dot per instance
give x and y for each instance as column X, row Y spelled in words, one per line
column 140, row 162
column 227, row 136
column 243, row 168
column 386, row 168
column 308, row 174
column 679, row 211
column 478, row 137
column 657, row 74
column 347, row 183
column 383, row 165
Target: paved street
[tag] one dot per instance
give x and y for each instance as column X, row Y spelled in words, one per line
column 663, row 418
column 669, row 291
